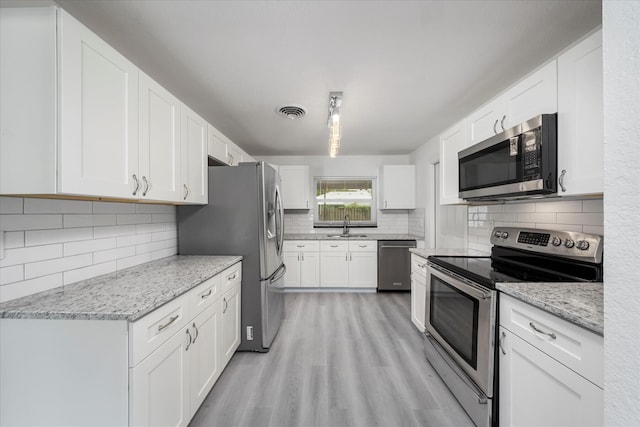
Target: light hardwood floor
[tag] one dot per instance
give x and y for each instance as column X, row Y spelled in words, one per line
column 338, row 360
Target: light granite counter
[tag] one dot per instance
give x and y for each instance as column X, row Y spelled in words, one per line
column 355, row 236
column 446, row 251
column 579, row 303
column 127, row 294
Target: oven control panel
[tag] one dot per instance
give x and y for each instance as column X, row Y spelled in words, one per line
column 569, row 244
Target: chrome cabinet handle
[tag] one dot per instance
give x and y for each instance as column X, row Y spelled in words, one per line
column 135, row 178
column 231, row 277
column 203, row 296
column 298, row 257
column 550, row 334
column 334, row 246
column 385, row 203
column 307, row 203
column 502, row 337
column 146, row 185
column 190, row 340
column 350, row 257
column 300, row 246
column 346, row 257
column 171, row 320
column 225, row 305
column 186, row 191
column 502, row 123
column 195, row 329
column 302, row 257
column 494, row 127
column 362, row 246
column 561, row 180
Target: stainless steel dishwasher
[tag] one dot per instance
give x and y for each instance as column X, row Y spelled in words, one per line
column 394, row 265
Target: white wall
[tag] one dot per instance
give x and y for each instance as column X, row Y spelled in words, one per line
column 53, row 242
column 621, row 50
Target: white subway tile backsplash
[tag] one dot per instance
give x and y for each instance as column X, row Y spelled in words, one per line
column 537, row 217
column 114, row 208
column 11, row 274
column 45, row 237
column 593, row 229
column 87, row 246
column 592, row 205
column 133, row 240
column 519, row 207
column 30, row 254
column 559, row 206
column 71, row 240
column 28, row 287
column 581, row 218
column 11, row 205
column 30, row 222
column 13, row 239
column 84, row 273
column 560, row 227
column 113, row 231
column 43, row 268
column 49, row 206
column 134, row 260
column 113, row 254
column 88, row 220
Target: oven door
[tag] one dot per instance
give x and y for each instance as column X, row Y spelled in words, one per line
column 460, row 316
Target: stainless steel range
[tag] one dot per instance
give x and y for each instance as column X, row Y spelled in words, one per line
column 461, row 304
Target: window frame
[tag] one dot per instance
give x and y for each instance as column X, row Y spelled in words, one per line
column 373, row 223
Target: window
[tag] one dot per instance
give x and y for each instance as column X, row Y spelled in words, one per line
column 337, row 197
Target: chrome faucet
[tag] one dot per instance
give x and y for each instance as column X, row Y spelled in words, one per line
column 345, row 225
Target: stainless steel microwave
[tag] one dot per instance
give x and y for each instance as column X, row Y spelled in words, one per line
column 517, row 163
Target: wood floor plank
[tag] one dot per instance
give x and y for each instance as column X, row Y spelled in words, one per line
column 339, row 360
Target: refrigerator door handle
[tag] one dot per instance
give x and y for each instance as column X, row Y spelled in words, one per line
column 279, row 221
column 277, row 275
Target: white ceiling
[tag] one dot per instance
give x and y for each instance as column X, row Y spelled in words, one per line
column 408, row 69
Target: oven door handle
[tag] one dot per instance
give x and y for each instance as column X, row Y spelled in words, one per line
column 452, row 279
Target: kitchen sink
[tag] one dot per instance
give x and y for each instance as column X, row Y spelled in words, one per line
column 346, row 235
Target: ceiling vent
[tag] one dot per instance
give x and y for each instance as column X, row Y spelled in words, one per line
column 291, row 111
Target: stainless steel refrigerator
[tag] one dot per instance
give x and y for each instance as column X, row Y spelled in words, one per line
column 244, row 217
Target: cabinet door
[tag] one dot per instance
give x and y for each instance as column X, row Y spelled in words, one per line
column 534, row 95
column 451, row 142
column 398, row 187
column 217, row 146
column 205, row 354
column 292, row 275
column 485, row 121
column 309, row 269
column 580, row 118
column 363, row 269
column 159, row 385
column 230, row 323
column 335, row 269
column 536, row 390
column 194, row 157
column 98, row 115
column 418, row 300
column 295, row 187
column 159, row 142
column 234, row 154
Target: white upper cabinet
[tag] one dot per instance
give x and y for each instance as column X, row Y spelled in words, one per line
column 225, row 151
column 534, row 95
column 397, row 187
column 580, row 118
column 295, row 187
column 193, row 153
column 159, row 172
column 451, row 142
column 69, row 114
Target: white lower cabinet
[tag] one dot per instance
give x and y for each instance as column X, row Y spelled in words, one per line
column 351, row 264
column 302, row 258
column 230, row 331
column 418, row 291
column 550, row 370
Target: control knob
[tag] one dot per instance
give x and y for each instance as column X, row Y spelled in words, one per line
column 504, row 235
column 556, row 241
column 569, row 243
column 583, row 245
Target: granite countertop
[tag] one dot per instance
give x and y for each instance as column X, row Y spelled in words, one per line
column 579, row 303
column 355, row 236
column 127, row 294
column 447, row 251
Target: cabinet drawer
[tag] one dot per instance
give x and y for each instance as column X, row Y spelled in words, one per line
column 301, row 246
column 575, row 347
column 151, row 331
column 205, row 294
column 334, row 246
column 363, row 246
column 231, row 276
column 419, row 265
